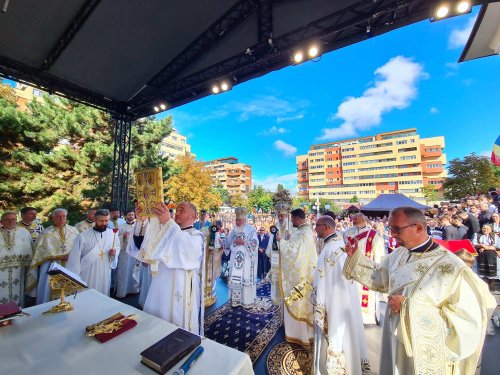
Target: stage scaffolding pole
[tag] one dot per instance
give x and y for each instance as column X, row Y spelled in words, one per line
column 121, row 162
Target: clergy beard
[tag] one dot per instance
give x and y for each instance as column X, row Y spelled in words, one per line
column 100, row 229
column 240, row 228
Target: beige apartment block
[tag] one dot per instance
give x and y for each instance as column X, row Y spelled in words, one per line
column 175, row 144
column 392, row 162
column 26, row 94
column 234, row 176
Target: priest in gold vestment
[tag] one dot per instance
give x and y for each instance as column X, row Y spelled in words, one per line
column 436, row 314
column 297, row 258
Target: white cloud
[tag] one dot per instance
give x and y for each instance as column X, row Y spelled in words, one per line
column 265, row 106
column 288, row 150
column 273, row 130
column 280, row 119
column 289, row 181
column 434, row 110
column 458, row 37
column 394, row 88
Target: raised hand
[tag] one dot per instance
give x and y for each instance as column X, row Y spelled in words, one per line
column 161, row 210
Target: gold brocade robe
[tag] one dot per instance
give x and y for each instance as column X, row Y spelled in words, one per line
column 49, row 246
column 297, row 259
column 440, row 329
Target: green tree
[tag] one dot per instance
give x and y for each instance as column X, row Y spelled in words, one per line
column 470, row 175
column 430, row 193
column 59, row 153
column 282, row 195
column 238, row 200
column 259, row 198
column 354, row 199
column 193, row 183
column 223, row 193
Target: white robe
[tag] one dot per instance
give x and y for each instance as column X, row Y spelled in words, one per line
column 339, row 338
column 89, row 258
column 125, row 282
column 176, row 259
column 243, row 266
column 83, row 225
column 368, row 300
column 13, row 263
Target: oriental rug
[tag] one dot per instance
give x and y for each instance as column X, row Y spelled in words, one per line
column 289, row 359
column 247, row 330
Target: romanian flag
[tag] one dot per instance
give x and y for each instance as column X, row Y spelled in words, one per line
column 495, row 154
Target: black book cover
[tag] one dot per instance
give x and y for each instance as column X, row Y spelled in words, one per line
column 164, row 354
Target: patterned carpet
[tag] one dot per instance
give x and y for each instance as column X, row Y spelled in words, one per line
column 289, row 359
column 247, row 330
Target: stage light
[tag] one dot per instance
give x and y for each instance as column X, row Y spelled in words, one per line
column 215, row 89
column 224, row 86
column 298, row 57
column 313, row 51
column 163, row 106
column 463, row 6
column 156, row 108
column 442, row 11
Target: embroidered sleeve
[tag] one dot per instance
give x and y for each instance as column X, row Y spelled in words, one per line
column 366, row 272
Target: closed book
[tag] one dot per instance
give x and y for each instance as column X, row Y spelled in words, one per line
column 163, row 355
column 9, row 309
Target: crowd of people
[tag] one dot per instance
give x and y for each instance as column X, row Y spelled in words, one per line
column 173, row 259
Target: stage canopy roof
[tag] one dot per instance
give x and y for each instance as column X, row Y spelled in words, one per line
column 131, row 56
column 386, row 202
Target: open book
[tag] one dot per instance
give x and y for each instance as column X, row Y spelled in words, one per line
column 57, row 269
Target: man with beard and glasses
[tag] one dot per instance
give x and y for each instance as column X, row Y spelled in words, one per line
column 95, row 253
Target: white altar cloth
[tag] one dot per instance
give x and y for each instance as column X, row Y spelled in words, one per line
column 56, row 343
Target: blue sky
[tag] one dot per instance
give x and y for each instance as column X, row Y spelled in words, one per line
column 406, row 78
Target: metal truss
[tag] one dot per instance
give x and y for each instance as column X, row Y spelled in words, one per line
column 83, row 14
column 358, row 22
column 121, row 162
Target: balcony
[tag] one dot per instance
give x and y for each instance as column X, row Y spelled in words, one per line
column 429, row 151
column 303, row 179
column 431, row 170
column 233, row 172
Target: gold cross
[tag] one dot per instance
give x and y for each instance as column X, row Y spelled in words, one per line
column 101, row 254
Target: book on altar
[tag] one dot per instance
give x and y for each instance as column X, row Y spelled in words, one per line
column 126, row 323
column 57, row 269
column 149, row 185
column 8, row 311
column 163, row 355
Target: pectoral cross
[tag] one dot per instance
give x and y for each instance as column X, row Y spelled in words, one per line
column 101, row 254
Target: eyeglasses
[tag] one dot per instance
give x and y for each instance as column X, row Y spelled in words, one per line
column 398, row 230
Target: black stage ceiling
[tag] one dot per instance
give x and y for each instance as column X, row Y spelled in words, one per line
column 130, row 56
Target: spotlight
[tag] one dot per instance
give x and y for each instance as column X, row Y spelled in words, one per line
column 463, row 6
column 156, row 108
column 163, row 106
column 224, row 86
column 442, row 11
column 215, row 89
column 313, row 51
column 298, row 57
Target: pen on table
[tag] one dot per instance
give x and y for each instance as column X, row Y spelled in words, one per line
column 190, row 361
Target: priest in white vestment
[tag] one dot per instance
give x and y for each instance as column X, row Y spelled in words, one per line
column 30, row 223
column 174, row 250
column 339, row 337
column 284, row 228
column 436, row 313
column 298, row 258
column 88, row 222
column 125, row 281
column 52, row 245
column 371, row 244
column 16, row 250
column 95, row 253
column 243, row 243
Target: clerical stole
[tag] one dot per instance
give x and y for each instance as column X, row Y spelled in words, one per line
column 365, row 292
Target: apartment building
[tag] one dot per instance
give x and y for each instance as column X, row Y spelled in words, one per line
column 25, row 94
column 234, row 176
column 175, row 144
column 392, row 162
